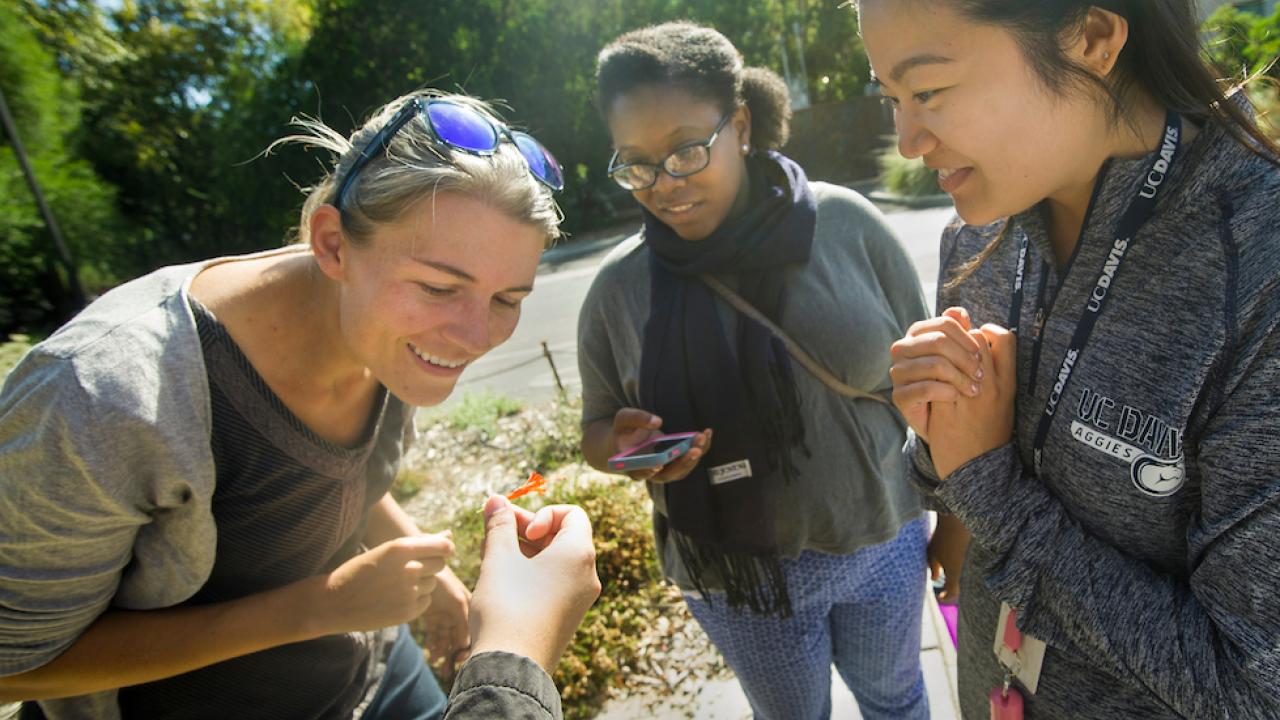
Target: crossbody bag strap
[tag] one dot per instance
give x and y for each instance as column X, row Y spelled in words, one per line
column 797, row 352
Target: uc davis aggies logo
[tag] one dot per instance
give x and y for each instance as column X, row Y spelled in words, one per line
column 1158, row 477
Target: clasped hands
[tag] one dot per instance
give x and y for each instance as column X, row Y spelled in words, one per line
column 955, row 385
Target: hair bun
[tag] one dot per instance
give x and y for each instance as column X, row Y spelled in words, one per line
column 767, row 97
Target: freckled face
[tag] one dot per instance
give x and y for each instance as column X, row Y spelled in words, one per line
column 650, row 122
column 432, row 292
column 967, row 101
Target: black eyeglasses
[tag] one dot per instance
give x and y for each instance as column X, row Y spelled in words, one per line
column 682, row 162
column 460, row 128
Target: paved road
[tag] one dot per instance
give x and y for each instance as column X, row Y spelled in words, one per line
column 518, row 367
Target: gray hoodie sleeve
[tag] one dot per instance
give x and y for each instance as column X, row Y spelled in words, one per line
column 503, row 685
column 1208, row 646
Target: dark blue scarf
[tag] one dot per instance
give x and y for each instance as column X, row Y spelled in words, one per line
column 693, row 379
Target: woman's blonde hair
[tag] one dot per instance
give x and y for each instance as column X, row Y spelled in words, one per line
column 416, row 165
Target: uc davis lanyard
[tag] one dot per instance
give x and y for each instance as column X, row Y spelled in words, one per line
column 1135, row 216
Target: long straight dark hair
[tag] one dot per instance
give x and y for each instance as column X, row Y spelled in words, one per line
column 1163, row 57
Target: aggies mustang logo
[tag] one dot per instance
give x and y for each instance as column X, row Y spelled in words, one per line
column 1152, row 448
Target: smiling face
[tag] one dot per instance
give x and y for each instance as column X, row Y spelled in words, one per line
column 967, row 101
column 649, row 122
column 427, row 295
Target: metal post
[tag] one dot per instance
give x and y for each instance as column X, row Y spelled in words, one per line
column 559, row 385
column 77, row 292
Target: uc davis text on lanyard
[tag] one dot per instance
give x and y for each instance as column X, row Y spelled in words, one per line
column 1135, row 216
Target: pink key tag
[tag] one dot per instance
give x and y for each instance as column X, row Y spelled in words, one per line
column 1006, row 706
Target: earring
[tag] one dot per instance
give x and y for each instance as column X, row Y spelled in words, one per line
column 745, row 148
column 1106, row 55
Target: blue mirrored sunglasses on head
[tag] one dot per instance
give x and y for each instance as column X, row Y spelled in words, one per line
column 459, row 128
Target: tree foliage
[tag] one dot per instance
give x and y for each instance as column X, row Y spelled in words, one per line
column 46, row 109
column 163, row 107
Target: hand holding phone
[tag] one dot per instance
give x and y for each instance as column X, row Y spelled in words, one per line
column 657, row 451
column 633, row 427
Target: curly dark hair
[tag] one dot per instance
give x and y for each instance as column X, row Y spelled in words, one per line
column 702, row 62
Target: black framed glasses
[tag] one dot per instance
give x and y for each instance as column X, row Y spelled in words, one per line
column 458, row 127
column 684, row 161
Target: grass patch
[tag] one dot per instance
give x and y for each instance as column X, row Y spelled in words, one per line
column 558, row 441
column 12, row 351
column 909, row 178
column 604, row 650
column 408, row 482
column 480, row 410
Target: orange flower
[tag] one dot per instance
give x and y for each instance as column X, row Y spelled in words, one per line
column 535, row 484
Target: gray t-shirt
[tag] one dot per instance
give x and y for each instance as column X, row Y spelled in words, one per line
column 107, row 474
column 857, row 295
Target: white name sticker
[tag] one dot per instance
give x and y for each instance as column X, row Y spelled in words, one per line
column 729, row 472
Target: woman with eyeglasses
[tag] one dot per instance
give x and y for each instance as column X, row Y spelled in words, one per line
column 789, row 524
column 194, row 472
column 1099, row 403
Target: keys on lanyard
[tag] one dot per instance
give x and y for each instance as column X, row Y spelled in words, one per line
column 1006, row 701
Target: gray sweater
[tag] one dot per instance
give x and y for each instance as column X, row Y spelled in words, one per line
column 856, row 295
column 1145, row 554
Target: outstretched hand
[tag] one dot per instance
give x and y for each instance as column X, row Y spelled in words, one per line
column 537, row 580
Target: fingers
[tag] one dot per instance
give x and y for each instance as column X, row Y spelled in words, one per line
column 426, row 545
column 543, row 523
column 1003, row 346
column 549, row 523
column 635, row 419
column 574, row 526
column 426, row 586
column 960, row 315
column 933, row 378
column 917, row 394
column 681, row 468
column 500, row 526
column 944, row 337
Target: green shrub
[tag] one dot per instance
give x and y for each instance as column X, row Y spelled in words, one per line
column 480, row 410
column 559, row 440
column 408, row 482
column 604, row 649
column 12, row 351
column 908, row 178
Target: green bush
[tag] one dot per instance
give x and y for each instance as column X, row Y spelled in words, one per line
column 559, row 440
column 480, row 410
column 1245, row 45
column 604, row 649
column 908, row 178
column 12, row 351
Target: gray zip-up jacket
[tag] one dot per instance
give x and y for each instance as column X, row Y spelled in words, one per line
column 1147, row 553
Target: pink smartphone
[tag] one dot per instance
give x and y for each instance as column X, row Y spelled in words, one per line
column 655, row 452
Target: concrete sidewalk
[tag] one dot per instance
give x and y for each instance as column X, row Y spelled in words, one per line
column 724, row 700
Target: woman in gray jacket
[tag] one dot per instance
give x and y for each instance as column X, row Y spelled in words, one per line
column 1098, row 405
column 194, row 472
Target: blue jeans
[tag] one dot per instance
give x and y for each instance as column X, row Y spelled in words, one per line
column 860, row 611
column 408, row 691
